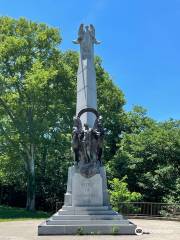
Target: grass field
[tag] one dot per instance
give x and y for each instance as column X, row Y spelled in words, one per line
column 13, row 214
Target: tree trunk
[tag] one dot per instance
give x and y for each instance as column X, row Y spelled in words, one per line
column 30, row 203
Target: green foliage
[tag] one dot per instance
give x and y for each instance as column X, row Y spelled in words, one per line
column 11, row 214
column 119, row 192
column 110, row 101
column 173, row 195
column 115, row 230
column 35, row 106
column 149, row 155
column 80, row 231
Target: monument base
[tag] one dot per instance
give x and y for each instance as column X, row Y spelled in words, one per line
column 86, row 209
column 86, row 220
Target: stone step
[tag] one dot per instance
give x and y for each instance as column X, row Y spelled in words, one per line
column 87, row 217
column 88, row 212
column 85, row 222
column 91, row 208
column 127, row 228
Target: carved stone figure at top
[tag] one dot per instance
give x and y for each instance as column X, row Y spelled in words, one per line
column 86, row 39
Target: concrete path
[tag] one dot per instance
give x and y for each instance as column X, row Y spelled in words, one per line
column 154, row 229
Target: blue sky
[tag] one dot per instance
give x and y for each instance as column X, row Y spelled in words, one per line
column 140, row 43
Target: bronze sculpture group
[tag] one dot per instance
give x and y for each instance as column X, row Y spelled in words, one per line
column 87, row 144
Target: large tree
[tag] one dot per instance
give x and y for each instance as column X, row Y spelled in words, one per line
column 33, row 85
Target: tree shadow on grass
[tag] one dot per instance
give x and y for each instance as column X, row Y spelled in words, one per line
column 12, row 213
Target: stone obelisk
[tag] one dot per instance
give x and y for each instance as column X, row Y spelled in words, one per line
column 86, row 75
column 86, row 208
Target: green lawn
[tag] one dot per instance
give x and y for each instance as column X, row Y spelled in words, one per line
column 13, row 214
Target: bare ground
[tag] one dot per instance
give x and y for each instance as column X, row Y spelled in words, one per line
column 154, row 230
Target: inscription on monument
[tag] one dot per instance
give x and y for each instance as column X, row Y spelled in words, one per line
column 87, row 191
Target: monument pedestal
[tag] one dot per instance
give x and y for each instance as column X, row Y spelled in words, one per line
column 86, row 209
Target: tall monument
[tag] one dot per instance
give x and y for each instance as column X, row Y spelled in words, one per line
column 86, row 76
column 86, row 206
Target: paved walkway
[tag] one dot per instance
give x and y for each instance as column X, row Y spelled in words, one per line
column 154, row 230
